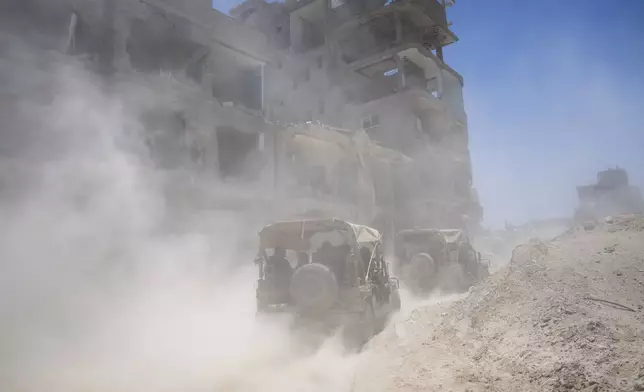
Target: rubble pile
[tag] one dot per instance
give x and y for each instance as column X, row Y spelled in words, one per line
column 563, row 315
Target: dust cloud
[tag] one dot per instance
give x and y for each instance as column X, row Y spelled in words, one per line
column 99, row 291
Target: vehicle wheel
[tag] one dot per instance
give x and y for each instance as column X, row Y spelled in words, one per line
column 420, row 272
column 313, row 288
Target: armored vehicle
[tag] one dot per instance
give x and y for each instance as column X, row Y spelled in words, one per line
column 327, row 273
column 431, row 259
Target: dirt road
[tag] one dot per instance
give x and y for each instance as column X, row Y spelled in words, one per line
column 544, row 323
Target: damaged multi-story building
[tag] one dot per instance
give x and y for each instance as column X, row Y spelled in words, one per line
column 343, row 107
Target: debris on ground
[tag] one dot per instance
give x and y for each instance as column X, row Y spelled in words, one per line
column 566, row 315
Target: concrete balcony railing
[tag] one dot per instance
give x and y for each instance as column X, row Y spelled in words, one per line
column 352, row 11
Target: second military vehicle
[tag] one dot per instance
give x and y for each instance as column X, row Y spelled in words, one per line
column 431, row 259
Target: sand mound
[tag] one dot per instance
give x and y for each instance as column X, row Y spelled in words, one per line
column 563, row 315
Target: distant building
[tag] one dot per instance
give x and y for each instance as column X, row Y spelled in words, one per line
column 611, row 195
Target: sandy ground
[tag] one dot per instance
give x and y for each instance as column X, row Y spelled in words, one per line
column 540, row 324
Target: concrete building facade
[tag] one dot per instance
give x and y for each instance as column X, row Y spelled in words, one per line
column 237, row 82
column 377, row 66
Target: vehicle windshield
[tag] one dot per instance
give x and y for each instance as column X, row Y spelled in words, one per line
column 329, row 247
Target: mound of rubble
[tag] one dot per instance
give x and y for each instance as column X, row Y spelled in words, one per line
column 562, row 316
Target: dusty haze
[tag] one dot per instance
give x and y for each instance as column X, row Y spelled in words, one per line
column 99, row 291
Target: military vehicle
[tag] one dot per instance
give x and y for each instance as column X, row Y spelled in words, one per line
column 334, row 277
column 445, row 259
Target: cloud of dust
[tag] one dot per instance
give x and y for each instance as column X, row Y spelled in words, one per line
column 95, row 295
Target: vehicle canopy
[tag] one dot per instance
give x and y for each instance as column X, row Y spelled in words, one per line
column 454, row 236
column 418, row 236
column 300, row 235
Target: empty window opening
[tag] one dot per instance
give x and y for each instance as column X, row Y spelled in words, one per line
column 166, row 139
column 81, row 40
column 195, row 71
column 312, row 34
column 432, row 86
column 240, row 86
column 235, row 150
column 160, row 43
column 252, row 88
column 370, row 121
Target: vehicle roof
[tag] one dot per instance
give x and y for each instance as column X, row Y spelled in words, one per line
column 454, row 235
column 296, row 234
column 450, row 235
column 418, row 231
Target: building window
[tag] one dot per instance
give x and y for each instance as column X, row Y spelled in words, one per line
column 370, row 121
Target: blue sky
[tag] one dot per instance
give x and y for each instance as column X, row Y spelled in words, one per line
column 554, row 92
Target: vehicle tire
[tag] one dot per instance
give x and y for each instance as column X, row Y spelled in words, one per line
column 313, row 288
column 420, row 272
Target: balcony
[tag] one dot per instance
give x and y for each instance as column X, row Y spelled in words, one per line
column 365, row 29
column 352, row 12
column 427, row 83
